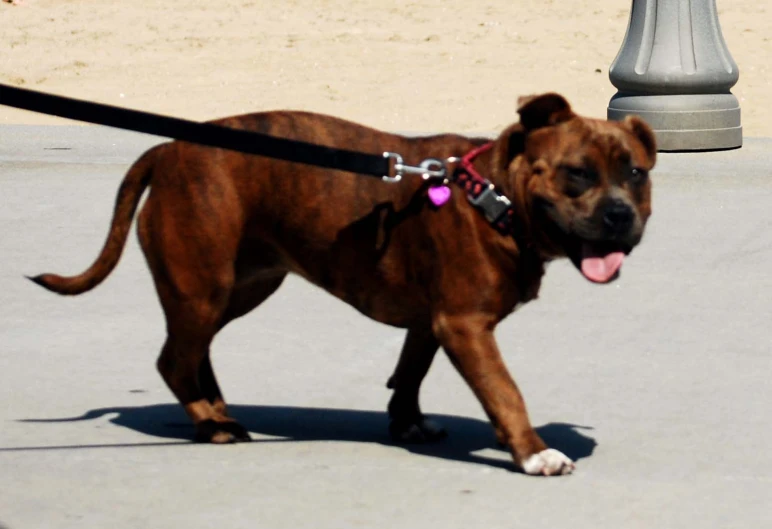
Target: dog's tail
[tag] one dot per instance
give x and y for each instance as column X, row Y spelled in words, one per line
column 129, row 194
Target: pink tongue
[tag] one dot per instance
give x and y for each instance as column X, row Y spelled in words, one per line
column 600, row 268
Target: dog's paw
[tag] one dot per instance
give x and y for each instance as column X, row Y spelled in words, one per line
column 549, row 462
column 421, row 431
column 221, row 432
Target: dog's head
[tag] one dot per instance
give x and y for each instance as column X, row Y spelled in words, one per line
column 584, row 183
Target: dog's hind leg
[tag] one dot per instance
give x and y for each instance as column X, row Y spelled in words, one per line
column 209, row 386
column 242, row 300
column 191, row 324
column 245, row 298
column 408, row 424
column 191, row 253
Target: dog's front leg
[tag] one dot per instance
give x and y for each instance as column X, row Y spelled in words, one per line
column 469, row 342
column 408, row 424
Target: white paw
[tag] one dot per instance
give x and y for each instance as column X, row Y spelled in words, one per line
column 548, row 462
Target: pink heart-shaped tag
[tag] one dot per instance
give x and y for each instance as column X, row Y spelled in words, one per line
column 439, row 195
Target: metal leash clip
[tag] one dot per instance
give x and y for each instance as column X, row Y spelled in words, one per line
column 431, row 168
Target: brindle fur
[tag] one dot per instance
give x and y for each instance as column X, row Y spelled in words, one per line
column 221, row 230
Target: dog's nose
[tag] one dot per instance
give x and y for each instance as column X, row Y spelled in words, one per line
column 618, row 217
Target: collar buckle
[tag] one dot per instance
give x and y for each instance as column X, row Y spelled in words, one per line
column 492, row 203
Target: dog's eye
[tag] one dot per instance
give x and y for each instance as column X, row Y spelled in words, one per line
column 638, row 176
column 578, row 180
column 580, row 174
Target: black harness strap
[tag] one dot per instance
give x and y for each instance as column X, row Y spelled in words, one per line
column 202, row 133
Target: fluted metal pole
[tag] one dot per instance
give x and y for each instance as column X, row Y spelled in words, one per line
column 675, row 71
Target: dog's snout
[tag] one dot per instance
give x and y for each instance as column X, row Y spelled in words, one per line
column 618, row 217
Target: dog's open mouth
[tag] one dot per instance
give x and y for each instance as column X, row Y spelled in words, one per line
column 600, row 262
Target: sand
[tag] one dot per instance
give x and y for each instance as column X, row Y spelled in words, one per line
column 434, row 65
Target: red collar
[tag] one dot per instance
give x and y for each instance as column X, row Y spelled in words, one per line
column 482, row 194
column 467, row 160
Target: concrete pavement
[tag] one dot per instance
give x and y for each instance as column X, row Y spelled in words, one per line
column 657, row 384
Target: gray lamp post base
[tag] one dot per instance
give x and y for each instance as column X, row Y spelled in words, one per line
column 694, row 122
column 675, row 71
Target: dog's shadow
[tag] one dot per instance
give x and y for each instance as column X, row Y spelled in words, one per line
column 467, row 436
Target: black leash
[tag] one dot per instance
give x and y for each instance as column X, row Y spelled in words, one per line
column 194, row 132
column 389, row 166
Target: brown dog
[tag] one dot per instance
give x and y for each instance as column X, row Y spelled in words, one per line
column 220, row 231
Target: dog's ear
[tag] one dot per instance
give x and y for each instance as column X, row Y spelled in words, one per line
column 537, row 111
column 509, row 144
column 643, row 132
column 516, row 141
